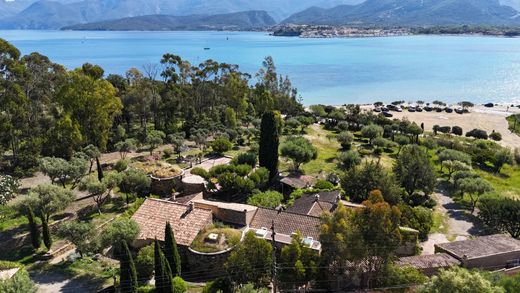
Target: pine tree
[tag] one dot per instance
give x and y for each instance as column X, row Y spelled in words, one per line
column 47, row 240
column 128, row 274
column 269, row 142
column 35, row 232
column 171, row 251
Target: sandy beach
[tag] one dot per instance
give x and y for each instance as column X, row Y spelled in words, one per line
column 488, row 119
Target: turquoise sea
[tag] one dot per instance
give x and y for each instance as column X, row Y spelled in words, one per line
column 333, row 71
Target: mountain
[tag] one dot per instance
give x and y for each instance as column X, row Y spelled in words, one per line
column 232, row 21
column 32, row 14
column 411, row 12
column 43, row 15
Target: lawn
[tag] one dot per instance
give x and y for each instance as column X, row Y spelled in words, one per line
column 231, row 238
column 507, row 183
column 10, row 218
column 328, row 149
column 514, row 127
column 97, row 271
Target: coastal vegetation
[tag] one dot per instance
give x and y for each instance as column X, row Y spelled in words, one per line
column 90, row 148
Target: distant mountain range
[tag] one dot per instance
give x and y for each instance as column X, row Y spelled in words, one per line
column 411, row 13
column 248, row 20
column 31, row 14
column 247, row 14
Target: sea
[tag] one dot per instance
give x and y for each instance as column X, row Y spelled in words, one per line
column 329, row 71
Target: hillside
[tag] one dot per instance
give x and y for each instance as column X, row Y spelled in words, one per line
column 411, row 12
column 31, row 14
column 233, row 21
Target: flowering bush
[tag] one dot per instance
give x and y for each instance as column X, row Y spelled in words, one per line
column 8, row 187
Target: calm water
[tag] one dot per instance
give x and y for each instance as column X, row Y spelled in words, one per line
column 333, row 71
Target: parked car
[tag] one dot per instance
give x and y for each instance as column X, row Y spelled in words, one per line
column 391, row 107
column 489, row 105
column 384, row 109
column 448, row 110
column 418, row 109
column 428, row 109
column 411, row 109
column 398, row 109
column 459, row 110
column 438, row 109
column 377, row 109
column 388, row 114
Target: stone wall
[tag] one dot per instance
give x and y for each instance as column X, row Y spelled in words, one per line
column 200, row 267
column 165, row 186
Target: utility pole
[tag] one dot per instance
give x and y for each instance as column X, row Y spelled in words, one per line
column 273, row 234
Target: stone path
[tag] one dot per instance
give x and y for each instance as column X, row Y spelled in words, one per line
column 460, row 223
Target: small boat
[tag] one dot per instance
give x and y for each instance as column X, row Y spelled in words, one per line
column 207, row 48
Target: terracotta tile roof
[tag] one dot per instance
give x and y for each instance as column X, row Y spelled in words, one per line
column 154, row 213
column 286, row 222
column 421, row 262
column 315, row 204
column 481, row 246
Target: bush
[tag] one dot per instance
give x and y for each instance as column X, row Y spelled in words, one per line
column 144, row 263
column 323, row 184
column 243, row 170
column 345, row 138
column 268, row 199
column 517, row 156
column 477, row 133
column 348, row 160
column 457, row 130
column 179, row 285
column 221, row 145
column 200, row 172
column 496, row 136
column 218, row 285
column 248, row 158
column 19, row 283
column 444, row 129
column 430, row 143
column 121, row 165
column 167, row 153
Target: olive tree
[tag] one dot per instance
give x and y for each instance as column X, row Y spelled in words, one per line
column 299, row 150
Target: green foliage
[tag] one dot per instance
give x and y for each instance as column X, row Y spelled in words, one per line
column 502, row 156
column 145, row 263
column 250, row 288
column 477, row 133
column 457, row 130
column 218, row 285
column 348, row 160
column 400, row 276
column 125, row 147
column 46, row 232
column 119, row 230
column 64, row 172
column 269, row 142
column 475, row 188
column 128, row 274
column 414, row 170
column 155, row 138
column 230, row 118
column 136, row 182
column 260, row 177
column 299, row 150
column 511, row 284
column 419, row 218
column 33, row 229
column 496, row 136
column 459, row 280
column 8, row 188
column 221, row 145
column 346, row 139
column 268, row 199
column 171, row 251
column 248, row 158
column 19, row 283
column 371, row 131
column 359, row 182
column 121, row 165
column 454, row 155
column 250, row 261
column 348, row 242
column 200, row 172
column 323, row 184
column 501, row 214
column 300, row 264
column 81, row 234
column 179, row 285
column 46, row 200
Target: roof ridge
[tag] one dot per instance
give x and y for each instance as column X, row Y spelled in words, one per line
column 288, row 212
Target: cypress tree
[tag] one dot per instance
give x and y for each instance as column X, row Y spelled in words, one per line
column 269, row 143
column 167, row 276
column 171, row 251
column 47, row 240
column 128, row 274
column 158, row 267
column 35, row 232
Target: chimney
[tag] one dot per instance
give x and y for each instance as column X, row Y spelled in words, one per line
column 317, row 197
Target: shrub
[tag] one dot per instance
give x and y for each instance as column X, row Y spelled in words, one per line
column 457, row 130
column 345, row 138
column 323, row 184
column 201, row 172
column 343, row 125
column 179, row 285
column 477, row 133
column 496, row 136
column 444, row 129
column 517, row 155
column 348, row 160
column 167, row 153
column 243, row 170
column 121, row 165
column 218, row 285
column 221, row 145
column 430, row 143
column 144, row 263
column 19, row 283
column 268, row 199
column 248, row 158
